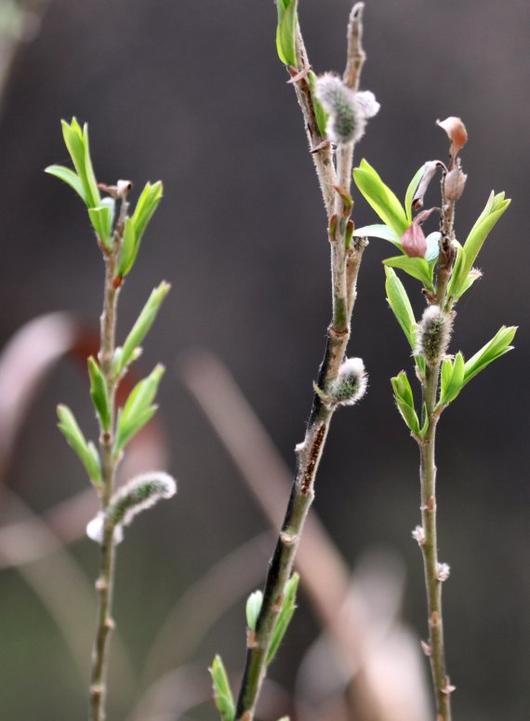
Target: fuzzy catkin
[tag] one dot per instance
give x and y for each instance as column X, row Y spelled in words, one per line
column 350, row 384
column 347, row 110
column 135, row 496
column 434, row 334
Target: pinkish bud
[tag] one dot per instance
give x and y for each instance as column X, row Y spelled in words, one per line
column 413, row 241
column 456, row 132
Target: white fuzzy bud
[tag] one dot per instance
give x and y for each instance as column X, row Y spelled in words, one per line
column 443, row 572
column 434, row 334
column 135, row 496
column 350, row 384
column 348, row 111
column 418, row 534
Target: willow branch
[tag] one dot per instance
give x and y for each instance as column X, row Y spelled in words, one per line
column 309, row 452
column 105, row 582
column 433, row 571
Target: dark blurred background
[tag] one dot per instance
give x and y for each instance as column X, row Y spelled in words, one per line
column 192, row 93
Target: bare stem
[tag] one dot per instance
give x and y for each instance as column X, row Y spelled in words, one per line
column 105, row 581
column 345, row 267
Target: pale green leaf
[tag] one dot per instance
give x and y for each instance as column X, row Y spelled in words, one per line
column 286, row 31
column 69, row 177
column 222, row 692
column 399, row 303
column 418, row 268
column 381, row 198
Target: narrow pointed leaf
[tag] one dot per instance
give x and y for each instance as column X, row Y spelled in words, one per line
column 99, row 393
column 284, row 618
column 405, row 401
column 222, row 692
column 286, row 31
column 399, row 303
column 320, row 114
column 129, row 248
column 381, row 198
column 101, row 219
column 85, row 451
column 146, row 206
column 140, row 329
column 497, row 347
column 69, row 177
column 418, row 268
column 378, row 231
column 138, row 409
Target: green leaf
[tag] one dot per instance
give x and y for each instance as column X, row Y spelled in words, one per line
column 99, row 393
column 69, row 177
column 381, row 198
column 286, row 31
column 418, row 268
column 411, row 190
column 222, row 693
column 136, row 225
column 378, row 231
column 494, row 209
column 284, row 617
column 452, row 379
column 101, row 219
column 253, row 609
column 426, row 421
column 85, row 451
column 138, row 409
column 77, row 144
column 146, row 206
column 140, row 329
column 399, row 303
column 90, row 177
column 320, row 114
column 497, row 347
column 405, row 401
column 129, row 249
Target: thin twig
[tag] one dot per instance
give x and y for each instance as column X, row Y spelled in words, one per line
column 309, row 452
column 429, row 545
column 105, row 582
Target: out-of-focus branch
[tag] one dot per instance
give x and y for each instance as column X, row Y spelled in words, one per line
column 58, row 582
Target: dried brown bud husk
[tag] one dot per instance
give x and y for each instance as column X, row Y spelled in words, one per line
column 456, row 132
column 454, row 184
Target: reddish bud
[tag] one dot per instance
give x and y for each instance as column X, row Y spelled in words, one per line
column 413, row 241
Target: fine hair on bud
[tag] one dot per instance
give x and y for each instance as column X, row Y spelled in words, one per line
column 347, row 110
column 434, row 334
column 133, row 497
column 350, row 384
